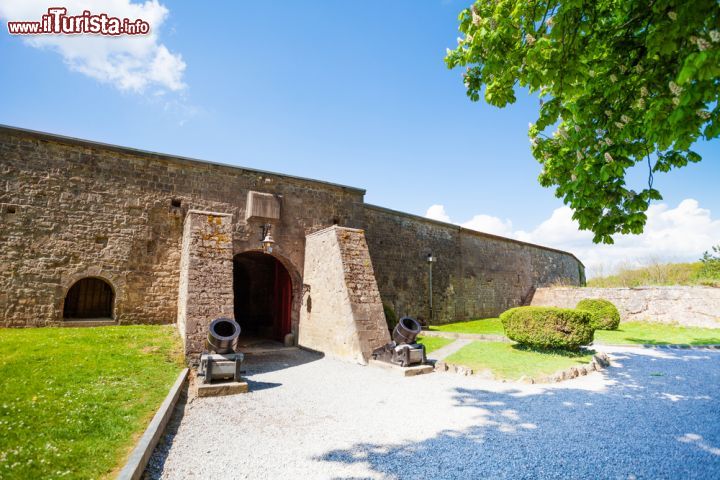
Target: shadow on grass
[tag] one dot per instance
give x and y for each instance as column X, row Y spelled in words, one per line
column 705, row 341
column 562, row 352
column 694, row 342
column 640, row 425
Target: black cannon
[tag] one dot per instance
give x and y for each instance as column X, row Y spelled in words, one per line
column 223, row 335
column 403, row 350
column 221, row 362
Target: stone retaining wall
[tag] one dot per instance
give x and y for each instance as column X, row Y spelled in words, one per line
column 690, row 306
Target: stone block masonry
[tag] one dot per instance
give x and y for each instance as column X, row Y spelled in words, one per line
column 72, row 209
column 206, row 276
column 342, row 314
column 476, row 275
column 688, row 306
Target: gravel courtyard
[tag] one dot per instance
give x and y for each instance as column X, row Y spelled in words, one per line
column 653, row 414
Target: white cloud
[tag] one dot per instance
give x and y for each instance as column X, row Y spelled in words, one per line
column 677, row 234
column 489, row 224
column 128, row 62
column 437, row 212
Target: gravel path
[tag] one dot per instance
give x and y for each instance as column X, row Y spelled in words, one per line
column 447, row 350
column 654, row 414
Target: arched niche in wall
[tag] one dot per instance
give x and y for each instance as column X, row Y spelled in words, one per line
column 89, row 298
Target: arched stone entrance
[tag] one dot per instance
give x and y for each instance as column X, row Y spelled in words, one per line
column 262, row 290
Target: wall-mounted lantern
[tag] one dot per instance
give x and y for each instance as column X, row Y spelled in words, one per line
column 267, row 240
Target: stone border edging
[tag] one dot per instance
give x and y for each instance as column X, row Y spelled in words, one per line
column 600, row 360
column 140, row 456
column 667, row 346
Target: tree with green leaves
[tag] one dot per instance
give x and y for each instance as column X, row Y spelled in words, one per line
column 620, row 83
column 711, row 263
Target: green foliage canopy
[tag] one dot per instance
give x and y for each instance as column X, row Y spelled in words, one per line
column 548, row 327
column 604, row 315
column 620, row 83
column 711, row 263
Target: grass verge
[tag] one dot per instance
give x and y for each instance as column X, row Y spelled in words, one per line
column 487, row 326
column 434, row 343
column 510, row 362
column 631, row 333
column 74, row 400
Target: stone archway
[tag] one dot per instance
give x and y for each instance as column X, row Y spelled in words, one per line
column 263, row 296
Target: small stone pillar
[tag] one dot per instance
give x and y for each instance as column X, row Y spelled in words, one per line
column 342, row 314
column 206, row 276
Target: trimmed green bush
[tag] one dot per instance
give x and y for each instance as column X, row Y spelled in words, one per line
column 548, row 327
column 390, row 316
column 605, row 315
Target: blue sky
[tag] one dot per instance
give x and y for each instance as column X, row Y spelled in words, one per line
column 349, row 92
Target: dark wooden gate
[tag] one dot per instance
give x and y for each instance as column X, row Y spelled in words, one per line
column 283, row 299
column 89, row 298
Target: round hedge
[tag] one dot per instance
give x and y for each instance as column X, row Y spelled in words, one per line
column 548, row 327
column 604, row 315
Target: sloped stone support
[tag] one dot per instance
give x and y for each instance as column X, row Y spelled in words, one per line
column 342, row 314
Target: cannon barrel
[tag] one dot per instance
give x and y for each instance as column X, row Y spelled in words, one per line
column 223, row 335
column 406, row 331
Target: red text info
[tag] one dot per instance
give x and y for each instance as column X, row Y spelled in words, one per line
column 58, row 22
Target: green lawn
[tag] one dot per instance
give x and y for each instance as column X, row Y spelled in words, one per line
column 74, row 400
column 508, row 361
column 657, row 333
column 485, row 326
column 434, row 343
column 628, row 333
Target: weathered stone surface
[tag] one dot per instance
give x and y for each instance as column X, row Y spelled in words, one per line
column 206, row 276
column 411, row 371
column 70, row 209
column 690, row 306
column 220, row 388
column 262, row 206
column 84, row 209
column 476, row 275
column 342, row 315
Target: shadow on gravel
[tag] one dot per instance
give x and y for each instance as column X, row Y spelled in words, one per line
column 157, row 460
column 693, row 341
column 253, row 364
column 254, row 386
column 658, row 417
column 280, row 360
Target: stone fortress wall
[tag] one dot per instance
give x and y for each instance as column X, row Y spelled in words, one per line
column 71, row 209
column 475, row 275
